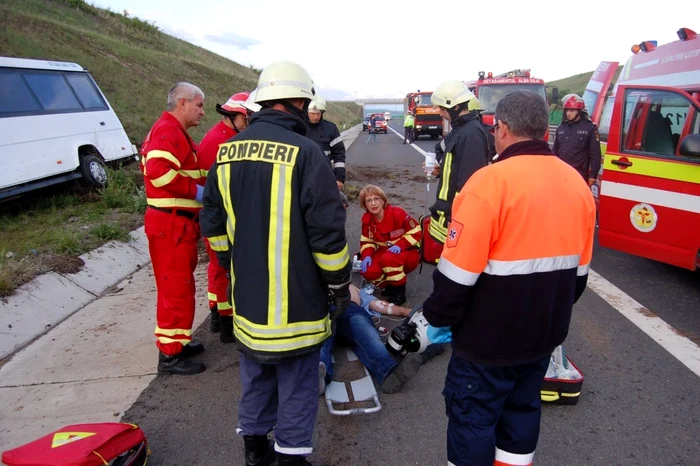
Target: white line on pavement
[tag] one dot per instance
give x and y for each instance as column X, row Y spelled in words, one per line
column 421, row 151
column 682, row 348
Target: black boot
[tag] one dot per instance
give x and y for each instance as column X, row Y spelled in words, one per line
column 226, row 335
column 291, row 460
column 193, row 348
column 258, row 450
column 388, row 291
column 215, row 322
column 399, row 296
column 178, row 365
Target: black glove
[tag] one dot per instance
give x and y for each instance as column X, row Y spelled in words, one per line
column 340, row 299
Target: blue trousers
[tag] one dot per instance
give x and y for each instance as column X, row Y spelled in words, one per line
column 283, row 395
column 356, row 328
column 492, row 408
column 372, row 135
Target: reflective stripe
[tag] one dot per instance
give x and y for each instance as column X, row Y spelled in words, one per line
column 278, row 245
column 161, row 154
column 332, row 262
column 173, row 202
column 223, row 176
column 392, row 269
column 173, row 331
column 191, row 173
column 456, row 274
column 165, row 179
column 664, row 169
column 211, row 296
column 364, row 238
column 288, row 330
column 513, row 459
column 437, row 228
column 327, row 152
column 285, row 345
column 442, row 145
column 218, row 243
column 365, row 246
column 396, row 278
column 583, row 270
column 336, row 140
column 530, row 266
column 223, row 306
column 293, row 451
column 445, row 177
column 286, row 82
column 165, row 340
column 408, row 236
column 339, row 165
column 655, row 197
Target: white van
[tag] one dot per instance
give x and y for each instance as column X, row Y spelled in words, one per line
column 387, row 116
column 55, row 125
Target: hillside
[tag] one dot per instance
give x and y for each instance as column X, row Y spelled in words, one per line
column 576, row 84
column 132, row 60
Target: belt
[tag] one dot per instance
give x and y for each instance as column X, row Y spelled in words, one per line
column 179, row 212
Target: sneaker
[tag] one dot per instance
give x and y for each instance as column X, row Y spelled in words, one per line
column 407, row 368
column 321, row 378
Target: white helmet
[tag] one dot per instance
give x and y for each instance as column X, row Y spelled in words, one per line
column 318, row 103
column 451, row 93
column 284, row 80
column 250, row 104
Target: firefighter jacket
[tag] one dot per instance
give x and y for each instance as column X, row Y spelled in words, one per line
column 326, row 135
column 466, row 151
column 516, row 258
column 408, row 121
column 270, row 201
column 209, row 147
column 397, row 227
column 170, row 166
column 578, row 144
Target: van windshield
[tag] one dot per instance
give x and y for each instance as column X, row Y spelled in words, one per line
column 491, row 94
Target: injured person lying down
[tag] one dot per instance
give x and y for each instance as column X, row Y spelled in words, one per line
column 356, row 328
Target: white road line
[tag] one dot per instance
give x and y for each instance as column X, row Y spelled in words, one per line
column 679, row 346
column 682, row 348
column 421, row 151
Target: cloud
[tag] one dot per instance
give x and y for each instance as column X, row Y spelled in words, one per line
column 334, row 94
column 230, row 38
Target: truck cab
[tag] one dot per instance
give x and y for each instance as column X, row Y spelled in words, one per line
column 427, row 119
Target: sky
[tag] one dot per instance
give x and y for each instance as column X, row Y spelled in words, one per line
column 386, row 48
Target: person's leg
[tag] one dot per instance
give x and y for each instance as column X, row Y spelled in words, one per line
column 374, row 271
column 326, row 364
column 214, row 322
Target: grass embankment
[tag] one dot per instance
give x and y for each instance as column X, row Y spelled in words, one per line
column 575, row 84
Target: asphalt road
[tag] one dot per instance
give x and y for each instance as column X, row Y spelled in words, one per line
column 639, row 406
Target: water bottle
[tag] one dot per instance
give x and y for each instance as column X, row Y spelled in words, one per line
column 356, row 264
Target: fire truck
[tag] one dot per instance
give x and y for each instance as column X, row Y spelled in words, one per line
column 427, row 119
column 490, row 89
column 648, row 191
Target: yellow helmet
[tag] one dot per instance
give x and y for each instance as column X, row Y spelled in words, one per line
column 284, row 80
column 318, row 103
column 474, row 105
column 451, row 93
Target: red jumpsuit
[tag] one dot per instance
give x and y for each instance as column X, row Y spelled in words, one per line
column 171, row 175
column 218, row 283
column 396, row 228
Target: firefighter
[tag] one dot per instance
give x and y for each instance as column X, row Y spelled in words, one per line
column 235, row 119
column 408, row 123
column 388, row 244
column 577, row 141
column 475, row 106
column 465, row 149
column 174, row 188
column 282, row 236
column 327, row 136
column 516, row 260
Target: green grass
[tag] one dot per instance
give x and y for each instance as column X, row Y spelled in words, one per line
column 576, row 84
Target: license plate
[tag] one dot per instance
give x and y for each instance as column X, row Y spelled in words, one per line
column 432, row 127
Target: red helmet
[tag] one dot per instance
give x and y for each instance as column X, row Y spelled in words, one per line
column 234, row 104
column 574, row 102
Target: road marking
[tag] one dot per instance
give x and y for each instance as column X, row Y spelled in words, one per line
column 421, row 151
column 682, row 348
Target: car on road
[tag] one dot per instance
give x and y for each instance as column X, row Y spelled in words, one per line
column 365, row 124
column 381, row 125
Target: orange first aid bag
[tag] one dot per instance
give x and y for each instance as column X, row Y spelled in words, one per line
column 109, row 443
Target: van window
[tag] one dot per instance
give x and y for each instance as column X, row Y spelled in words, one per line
column 654, row 121
column 606, row 118
column 15, row 96
column 53, row 91
column 86, row 91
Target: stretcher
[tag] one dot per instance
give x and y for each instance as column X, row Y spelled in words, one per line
column 354, row 396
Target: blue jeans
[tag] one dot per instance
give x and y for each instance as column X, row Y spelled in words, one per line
column 356, row 327
column 492, row 408
column 372, row 135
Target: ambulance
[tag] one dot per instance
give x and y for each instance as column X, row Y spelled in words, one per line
column 648, row 191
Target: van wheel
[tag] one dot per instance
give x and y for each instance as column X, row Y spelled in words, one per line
column 93, row 171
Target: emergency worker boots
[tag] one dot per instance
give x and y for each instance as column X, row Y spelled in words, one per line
column 259, row 450
column 395, row 294
column 226, row 335
column 179, row 364
column 215, row 322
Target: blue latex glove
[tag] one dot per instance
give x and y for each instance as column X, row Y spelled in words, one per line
column 200, row 194
column 366, row 262
column 438, row 335
column 395, row 249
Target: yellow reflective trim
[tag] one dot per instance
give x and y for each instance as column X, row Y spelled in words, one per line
column 364, row 238
column 173, row 331
column 257, row 151
column 173, row 202
column 223, row 306
column 392, row 269
column 280, row 344
column 191, row 173
column 272, row 305
column 414, row 231
column 665, row 169
column 286, row 230
column 270, row 329
column 224, row 175
column 218, row 243
column 447, row 163
column 571, row 395
column 395, row 278
column 165, row 179
column 332, row 262
column 162, row 154
column 211, row 296
column 373, row 246
column 549, row 396
column 411, row 240
column 166, row 340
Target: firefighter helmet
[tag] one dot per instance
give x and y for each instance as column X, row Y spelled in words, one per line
column 250, row 104
column 474, row 105
column 284, row 80
column 318, row 103
column 234, row 104
column 450, row 94
column 573, row 102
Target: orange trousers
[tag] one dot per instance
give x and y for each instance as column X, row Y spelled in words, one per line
column 391, row 269
column 217, row 291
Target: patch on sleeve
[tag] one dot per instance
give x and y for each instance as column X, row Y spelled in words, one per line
column 453, row 232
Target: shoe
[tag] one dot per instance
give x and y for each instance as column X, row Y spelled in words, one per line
column 291, row 460
column 388, row 291
column 177, row 365
column 193, row 348
column 407, row 368
column 259, row 451
column 215, row 322
column 226, row 335
column 399, row 296
column 321, row 378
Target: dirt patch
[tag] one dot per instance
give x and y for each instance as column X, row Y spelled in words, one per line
column 61, row 263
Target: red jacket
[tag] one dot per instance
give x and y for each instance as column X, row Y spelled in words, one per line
column 170, row 167
column 209, row 146
column 397, row 227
